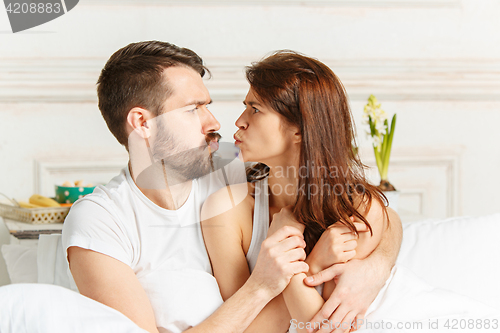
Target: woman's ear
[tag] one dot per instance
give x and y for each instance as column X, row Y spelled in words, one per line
column 297, row 136
column 137, row 121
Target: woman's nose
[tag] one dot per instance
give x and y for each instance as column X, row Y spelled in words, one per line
column 241, row 121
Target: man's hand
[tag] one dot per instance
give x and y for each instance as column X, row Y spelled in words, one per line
column 336, row 245
column 284, row 218
column 352, row 295
column 281, row 256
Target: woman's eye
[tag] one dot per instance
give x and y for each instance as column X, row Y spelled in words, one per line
column 193, row 110
column 255, row 110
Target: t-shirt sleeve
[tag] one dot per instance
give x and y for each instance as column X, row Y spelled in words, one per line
column 90, row 226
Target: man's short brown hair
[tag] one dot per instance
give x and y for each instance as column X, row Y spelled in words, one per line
column 133, row 77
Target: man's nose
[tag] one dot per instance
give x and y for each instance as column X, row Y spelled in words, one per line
column 208, row 121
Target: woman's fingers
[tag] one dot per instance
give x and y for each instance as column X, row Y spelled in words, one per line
column 283, row 233
column 297, row 254
column 347, row 237
column 361, row 227
column 281, row 256
column 299, row 267
column 291, row 242
column 348, row 255
column 350, row 245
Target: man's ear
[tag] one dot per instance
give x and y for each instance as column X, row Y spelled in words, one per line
column 137, row 120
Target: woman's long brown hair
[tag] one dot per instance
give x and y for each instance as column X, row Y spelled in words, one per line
column 307, row 94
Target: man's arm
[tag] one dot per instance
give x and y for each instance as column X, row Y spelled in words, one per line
column 111, row 282
column 114, row 283
column 359, row 281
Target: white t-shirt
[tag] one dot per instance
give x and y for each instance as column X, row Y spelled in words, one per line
column 164, row 248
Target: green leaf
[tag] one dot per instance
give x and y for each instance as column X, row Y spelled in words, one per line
column 378, row 159
column 387, row 153
column 384, row 140
column 372, row 126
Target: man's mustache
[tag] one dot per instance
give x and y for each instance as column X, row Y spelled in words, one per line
column 209, row 138
column 212, row 136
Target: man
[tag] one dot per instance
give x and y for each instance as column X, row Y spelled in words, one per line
column 136, row 244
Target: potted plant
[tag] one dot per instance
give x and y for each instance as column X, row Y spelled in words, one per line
column 381, row 135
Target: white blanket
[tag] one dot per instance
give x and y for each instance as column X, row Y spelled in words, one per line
column 405, row 304
column 408, row 304
column 44, row 308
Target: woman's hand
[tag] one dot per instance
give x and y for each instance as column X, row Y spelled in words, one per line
column 281, row 256
column 336, row 245
column 284, row 218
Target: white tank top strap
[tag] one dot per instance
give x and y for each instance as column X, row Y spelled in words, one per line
column 260, row 222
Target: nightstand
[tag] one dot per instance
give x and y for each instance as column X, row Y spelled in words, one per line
column 27, row 233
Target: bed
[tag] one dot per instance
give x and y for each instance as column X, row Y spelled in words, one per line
column 459, row 254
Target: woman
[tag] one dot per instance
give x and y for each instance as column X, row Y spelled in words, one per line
column 297, row 125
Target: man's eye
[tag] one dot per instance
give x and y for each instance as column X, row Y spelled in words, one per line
column 193, row 110
column 255, row 110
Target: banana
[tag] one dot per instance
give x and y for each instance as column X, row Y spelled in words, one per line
column 40, row 200
column 24, row 204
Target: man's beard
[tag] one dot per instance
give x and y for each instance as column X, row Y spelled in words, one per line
column 180, row 163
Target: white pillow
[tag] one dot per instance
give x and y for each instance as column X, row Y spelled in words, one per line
column 53, row 267
column 460, row 254
column 21, row 263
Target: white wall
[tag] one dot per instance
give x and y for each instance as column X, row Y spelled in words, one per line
column 435, row 63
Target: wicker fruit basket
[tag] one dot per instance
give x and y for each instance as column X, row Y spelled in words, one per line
column 34, row 215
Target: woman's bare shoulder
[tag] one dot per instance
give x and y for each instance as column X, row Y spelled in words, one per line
column 231, row 200
column 375, row 213
column 365, row 204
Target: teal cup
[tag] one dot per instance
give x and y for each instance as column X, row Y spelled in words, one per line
column 65, row 194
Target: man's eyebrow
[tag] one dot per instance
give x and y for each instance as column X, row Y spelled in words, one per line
column 199, row 102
